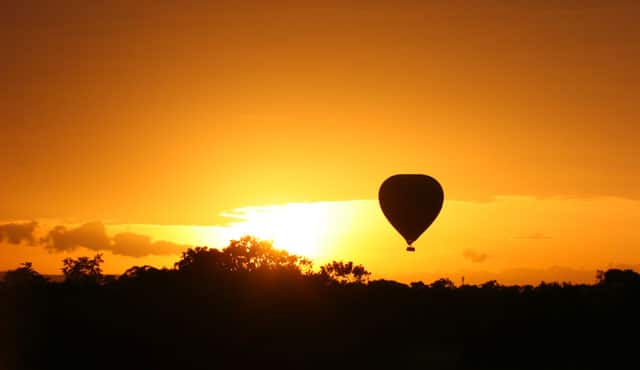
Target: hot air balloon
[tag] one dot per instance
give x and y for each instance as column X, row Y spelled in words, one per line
column 411, row 203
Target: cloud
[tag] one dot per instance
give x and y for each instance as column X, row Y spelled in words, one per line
column 534, row 236
column 16, row 233
column 94, row 236
column 474, row 256
column 91, row 235
column 137, row 245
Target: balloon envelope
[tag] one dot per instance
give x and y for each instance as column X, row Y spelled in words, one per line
column 411, row 203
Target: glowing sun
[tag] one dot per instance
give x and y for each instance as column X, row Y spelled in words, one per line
column 300, row 228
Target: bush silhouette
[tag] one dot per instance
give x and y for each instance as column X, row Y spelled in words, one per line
column 24, row 277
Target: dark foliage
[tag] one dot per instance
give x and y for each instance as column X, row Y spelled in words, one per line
column 83, row 271
column 345, row 272
column 251, row 306
column 24, row 277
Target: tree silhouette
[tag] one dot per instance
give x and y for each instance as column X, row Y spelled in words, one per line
column 491, row 284
column 617, row 277
column 442, row 283
column 251, row 254
column 345, row 272
column 139, row 272
column 83, row 270
column 201, row 259
column 247, row 254
column 24, row 276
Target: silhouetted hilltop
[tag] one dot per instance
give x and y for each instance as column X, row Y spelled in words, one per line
column 50, row 277
column 251, row 306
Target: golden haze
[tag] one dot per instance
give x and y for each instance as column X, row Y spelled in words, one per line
column 137, row 113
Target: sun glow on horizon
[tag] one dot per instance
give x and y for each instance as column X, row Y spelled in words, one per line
column 305, row 229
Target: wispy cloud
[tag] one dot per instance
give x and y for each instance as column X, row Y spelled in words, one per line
column 474, row 256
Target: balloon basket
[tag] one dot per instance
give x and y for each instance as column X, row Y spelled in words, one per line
column 410, row 249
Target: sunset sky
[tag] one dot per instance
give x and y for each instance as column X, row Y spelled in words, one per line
column 139, row 128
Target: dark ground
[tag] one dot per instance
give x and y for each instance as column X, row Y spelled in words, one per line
column 206, row 314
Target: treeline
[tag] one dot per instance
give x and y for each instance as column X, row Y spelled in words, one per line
column 253, row 306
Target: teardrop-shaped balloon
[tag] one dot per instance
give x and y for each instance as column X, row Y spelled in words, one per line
column 411, row 203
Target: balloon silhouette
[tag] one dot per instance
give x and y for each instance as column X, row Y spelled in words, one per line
column 411, row 203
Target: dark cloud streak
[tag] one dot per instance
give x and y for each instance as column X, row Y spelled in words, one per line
column 474, row 256
column 136, row 245
column 92, row 235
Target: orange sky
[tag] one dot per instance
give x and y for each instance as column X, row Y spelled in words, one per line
column 173, row 113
